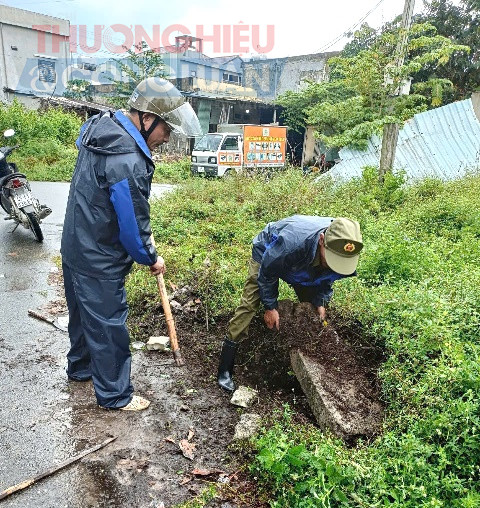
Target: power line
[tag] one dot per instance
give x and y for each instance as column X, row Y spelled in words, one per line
column 87, row 48
column 349, row 30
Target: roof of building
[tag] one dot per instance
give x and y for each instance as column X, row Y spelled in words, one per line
column 269, row 61
column 218, row 96
column 202, row 59
column 221, row 60
column 73, row 104
column 33, row 20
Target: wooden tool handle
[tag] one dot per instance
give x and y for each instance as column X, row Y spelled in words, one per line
column 40, row 316
column 49, row 472
column 172, row 333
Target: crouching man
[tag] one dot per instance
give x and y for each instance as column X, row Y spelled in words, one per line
column 310, row 253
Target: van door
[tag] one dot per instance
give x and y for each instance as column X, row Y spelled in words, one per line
column 229, row 155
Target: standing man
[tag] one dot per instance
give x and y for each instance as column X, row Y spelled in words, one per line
column 309, row 253
column 107, row 228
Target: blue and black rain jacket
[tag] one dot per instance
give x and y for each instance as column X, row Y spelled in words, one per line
column 286, row 250
column 107, row 222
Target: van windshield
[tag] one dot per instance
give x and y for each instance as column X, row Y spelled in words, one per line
column 209, row 142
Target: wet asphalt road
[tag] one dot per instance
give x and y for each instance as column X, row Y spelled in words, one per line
column 35, row 413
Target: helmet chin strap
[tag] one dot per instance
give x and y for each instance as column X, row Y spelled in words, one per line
column 146, row 134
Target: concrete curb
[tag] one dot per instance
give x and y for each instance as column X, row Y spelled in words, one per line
column 346, row 408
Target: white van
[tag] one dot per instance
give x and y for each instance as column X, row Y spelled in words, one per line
column 239, row 146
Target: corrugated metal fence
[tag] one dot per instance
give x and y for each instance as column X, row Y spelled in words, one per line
column 443, row 143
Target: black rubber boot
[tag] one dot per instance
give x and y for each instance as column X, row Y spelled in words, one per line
column 225, row 368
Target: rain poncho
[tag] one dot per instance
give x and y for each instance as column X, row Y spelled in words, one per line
column 107, row 222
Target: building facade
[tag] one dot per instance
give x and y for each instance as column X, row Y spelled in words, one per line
column 34, row 55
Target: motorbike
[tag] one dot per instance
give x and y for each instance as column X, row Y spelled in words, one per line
column 16, row 196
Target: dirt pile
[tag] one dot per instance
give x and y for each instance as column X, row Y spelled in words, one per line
column 266, row 353
column 338, row 379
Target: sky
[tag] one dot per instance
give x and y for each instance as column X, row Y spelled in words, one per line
column 235, row 27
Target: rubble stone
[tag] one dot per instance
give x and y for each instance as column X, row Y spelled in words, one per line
column 175, row 306
column 244, row 396
column 247, row 426
column 158, row 343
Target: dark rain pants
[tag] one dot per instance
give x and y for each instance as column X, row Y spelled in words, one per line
column 250, row 303
column 100, row 344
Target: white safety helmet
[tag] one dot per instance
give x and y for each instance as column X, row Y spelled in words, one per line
column 159, row 97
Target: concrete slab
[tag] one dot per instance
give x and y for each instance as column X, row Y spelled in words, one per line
column 343, row 404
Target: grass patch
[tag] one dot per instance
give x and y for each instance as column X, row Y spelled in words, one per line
column 203, row 499
column 175, row 171
column 46, row 160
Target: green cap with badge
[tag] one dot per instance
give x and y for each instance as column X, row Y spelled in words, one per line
column 343, row 243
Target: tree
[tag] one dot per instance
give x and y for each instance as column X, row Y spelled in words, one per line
column 296, row 104
column 362, row 39
column 79, row 89
column 461, row 24
column 138, row 65
column 361, row 94
column 473, row 5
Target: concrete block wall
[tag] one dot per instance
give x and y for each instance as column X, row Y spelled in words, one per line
column 272, row 77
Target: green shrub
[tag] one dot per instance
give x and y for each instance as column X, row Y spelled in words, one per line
column 301, row 466
column 172, row 171
column 31, row 124
column 47, row 141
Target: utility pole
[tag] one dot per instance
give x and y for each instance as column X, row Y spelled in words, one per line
column 275, row 94
column 391, row 130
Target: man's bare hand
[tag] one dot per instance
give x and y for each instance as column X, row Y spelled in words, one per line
column 322, row 312
column 158, row 267
column 272, row 319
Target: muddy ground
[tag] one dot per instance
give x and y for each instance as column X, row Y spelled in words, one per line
column 188, row 399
